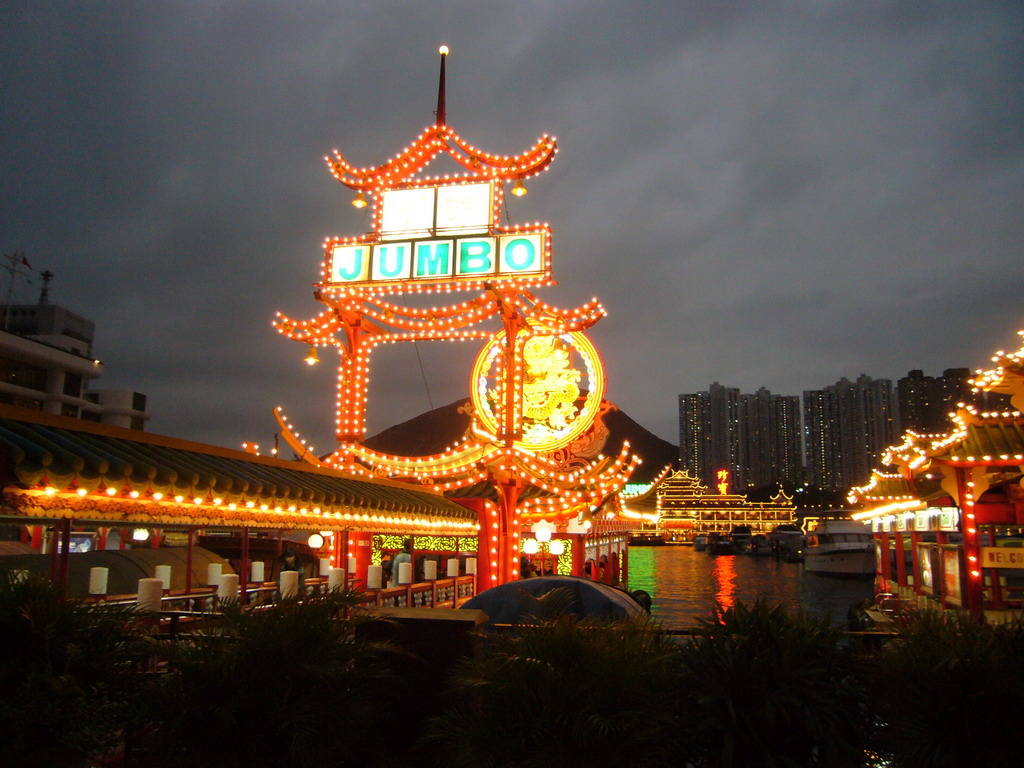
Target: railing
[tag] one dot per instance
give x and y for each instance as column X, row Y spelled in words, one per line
column 442, row 593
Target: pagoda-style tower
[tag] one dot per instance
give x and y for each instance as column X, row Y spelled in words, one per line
column 537, row 384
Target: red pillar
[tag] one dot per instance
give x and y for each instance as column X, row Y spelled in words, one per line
column 188, row 560
column 915, row 561
column 37, row 538
column 579, row 553
column 886, row 560
column 243, row 577
column 974, row 599
column 336, row 560
column 65, row 553
column 901, row 560
column 361, row 548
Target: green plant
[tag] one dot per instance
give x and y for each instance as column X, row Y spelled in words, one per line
column 286, row 685
column 564, row 692
column 67, row 673
column 763, row 687
column 946, row 692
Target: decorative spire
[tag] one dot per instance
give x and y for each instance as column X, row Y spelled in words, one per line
column 440, row 113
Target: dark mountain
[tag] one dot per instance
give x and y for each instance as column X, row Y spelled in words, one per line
column 443, row 427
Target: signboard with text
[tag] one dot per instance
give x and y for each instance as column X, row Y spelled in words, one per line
column 1002, row 557
column 438, row 233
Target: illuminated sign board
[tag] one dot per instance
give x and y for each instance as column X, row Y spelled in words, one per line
column 458, row 258
column 439, row 233
column 453, row 209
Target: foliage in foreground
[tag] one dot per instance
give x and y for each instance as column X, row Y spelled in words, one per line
column 948, row 691
column 290, row 685
column 565, row 692
column 67, row 674
column 763, row 687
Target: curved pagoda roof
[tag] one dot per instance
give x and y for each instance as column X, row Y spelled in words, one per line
column 55, row 467
column 437, row 139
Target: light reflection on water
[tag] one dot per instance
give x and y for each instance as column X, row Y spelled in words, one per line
column 684, row 583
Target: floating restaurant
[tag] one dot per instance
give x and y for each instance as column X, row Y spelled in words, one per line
column 684, row 508
column 948, row 523
column 528, row 485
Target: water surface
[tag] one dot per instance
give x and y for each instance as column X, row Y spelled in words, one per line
column 684, row 583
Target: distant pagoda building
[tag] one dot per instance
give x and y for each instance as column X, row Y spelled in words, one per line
column 686, row 506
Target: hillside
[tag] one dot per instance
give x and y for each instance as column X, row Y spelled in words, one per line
column 436, row 430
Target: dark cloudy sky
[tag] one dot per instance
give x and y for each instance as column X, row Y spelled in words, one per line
column 762, row 194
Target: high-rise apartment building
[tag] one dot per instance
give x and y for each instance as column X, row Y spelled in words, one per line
column 926, row 402
column 847, row 426
column 754, row 436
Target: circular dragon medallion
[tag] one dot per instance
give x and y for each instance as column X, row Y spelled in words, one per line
column 561, row 385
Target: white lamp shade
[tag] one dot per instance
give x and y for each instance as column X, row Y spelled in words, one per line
column 471, row 566
column 336, row 579
column 288, row 583
column 98, row 577
column 325, row 566
column 163, row 572
column 530, row 546
column 542, row 530
column 453, row 567
column 227, row 589
column 351, row 564
column 405, row 573
column 373, row 576
column 556, row 547
column 150, row 592
column 259, row 571
column 430, row 570
column 213, row 574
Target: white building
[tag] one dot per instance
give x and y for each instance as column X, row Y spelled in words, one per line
column 46, row 364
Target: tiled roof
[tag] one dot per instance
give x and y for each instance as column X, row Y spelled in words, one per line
column 992, row 439
column 95, row 471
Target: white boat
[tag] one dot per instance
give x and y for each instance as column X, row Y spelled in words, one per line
column 840, row 548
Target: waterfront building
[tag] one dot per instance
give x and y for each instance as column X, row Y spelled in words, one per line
column 756, row 437
column 46, row 364
column 847, row 426
column 686, row 506
column 948, row 522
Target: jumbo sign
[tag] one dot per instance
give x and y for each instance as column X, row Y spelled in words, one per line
column 437, row 234
column 444, row 259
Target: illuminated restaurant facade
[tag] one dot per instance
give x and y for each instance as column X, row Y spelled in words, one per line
column 949, row 522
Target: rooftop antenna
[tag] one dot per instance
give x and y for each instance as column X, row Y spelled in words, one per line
column 440, row 113
column 15, row 261
column 44, row 292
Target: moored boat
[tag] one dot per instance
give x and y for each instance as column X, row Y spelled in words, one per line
column 840, row 548
column 787, row 542
column 700, row 542
column 741, row 538
column 720, row 545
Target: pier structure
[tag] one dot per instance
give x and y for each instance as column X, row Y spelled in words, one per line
column 81, row 492
column 531, row 464
column 947, row 511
